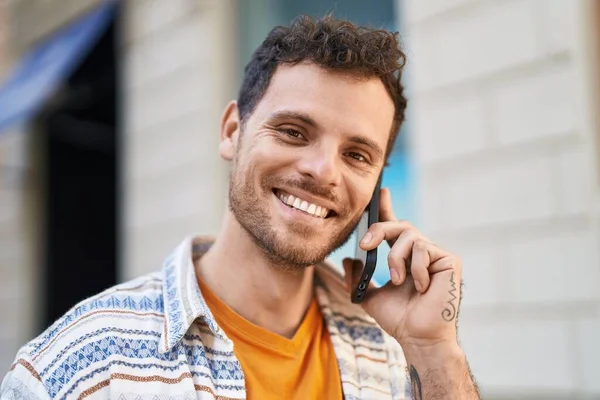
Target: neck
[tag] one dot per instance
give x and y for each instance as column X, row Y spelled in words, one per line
column 239, row 273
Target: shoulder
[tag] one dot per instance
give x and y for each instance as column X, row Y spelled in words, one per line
column 22, row 381
column 357, row 327
column 352, row 317
column 83, row 341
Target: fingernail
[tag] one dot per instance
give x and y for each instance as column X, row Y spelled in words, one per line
column 418, row 286
column 394, row 275
column 367, row 238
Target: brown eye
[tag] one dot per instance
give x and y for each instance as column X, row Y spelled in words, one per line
column 291, row 132
column 357, row 156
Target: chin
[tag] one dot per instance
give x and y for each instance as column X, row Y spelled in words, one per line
column 289, row 251
column 288, row 237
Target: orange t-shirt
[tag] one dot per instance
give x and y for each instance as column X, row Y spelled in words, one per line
column 275, row 367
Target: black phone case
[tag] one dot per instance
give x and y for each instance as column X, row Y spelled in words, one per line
column 360, row 290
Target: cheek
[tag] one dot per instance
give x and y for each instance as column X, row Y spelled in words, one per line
column 359, row 198
column 263, row 148
column 258, row 168
column 272, row 160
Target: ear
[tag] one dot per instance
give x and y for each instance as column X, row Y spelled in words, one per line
column 230, row 131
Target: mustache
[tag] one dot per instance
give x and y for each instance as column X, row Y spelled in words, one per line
column 305, row 185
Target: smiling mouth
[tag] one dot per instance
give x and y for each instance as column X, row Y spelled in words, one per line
column 299, row 204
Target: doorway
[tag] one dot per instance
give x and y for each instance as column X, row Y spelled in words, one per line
column 80, row 137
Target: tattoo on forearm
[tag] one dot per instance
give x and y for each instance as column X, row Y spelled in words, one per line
column 449, row 313
column 449, row 382
column 416, row 384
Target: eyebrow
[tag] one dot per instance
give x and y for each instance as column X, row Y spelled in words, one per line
column 294, row 115
column 358, row 139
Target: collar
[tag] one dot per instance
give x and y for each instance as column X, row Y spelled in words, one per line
column 184, row 304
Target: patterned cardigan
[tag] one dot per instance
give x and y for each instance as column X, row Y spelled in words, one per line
column 155, row 338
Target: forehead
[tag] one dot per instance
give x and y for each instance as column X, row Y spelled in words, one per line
column 339, row 102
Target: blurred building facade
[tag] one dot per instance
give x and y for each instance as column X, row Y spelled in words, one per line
column 174, row 74
column 503, row 135
column 504, row 104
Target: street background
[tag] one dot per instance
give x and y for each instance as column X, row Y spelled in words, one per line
column 109, row 115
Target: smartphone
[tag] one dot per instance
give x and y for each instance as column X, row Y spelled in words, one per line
column 367, row 258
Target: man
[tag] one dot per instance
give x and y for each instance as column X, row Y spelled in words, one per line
column 256, row 313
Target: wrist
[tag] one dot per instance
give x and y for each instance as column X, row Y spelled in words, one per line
column 440, row 370
column 436, row 353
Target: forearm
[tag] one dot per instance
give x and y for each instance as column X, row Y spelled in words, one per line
column 440, row 373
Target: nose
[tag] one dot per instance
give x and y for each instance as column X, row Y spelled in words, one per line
column 321, row 163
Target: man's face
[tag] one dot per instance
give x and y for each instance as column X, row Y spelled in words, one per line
column 308, row 160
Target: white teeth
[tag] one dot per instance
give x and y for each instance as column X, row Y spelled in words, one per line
column 303, row 205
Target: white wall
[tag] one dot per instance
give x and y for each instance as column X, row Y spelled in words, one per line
column 502, row 132
column 179, row 71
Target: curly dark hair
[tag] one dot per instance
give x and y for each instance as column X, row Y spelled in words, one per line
column 331, row 44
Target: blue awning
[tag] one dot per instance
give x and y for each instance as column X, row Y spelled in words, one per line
column 43, row 69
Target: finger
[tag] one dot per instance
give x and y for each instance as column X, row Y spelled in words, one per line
column 444, row 264
column 419, row 268
column 399, row 268
column 380, row 231
column 386, row 207
column 428, row 259
column 399, row 257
